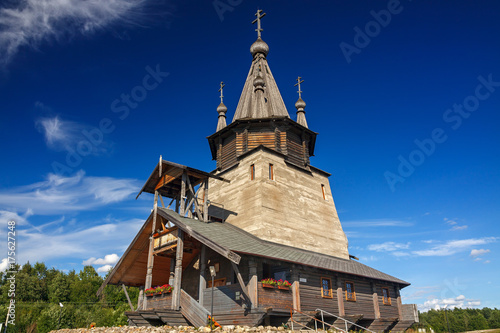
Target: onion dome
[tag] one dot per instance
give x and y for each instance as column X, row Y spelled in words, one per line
column 300, row 105
column 259, row 46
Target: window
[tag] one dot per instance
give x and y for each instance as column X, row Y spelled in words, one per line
column 252, row 171
column 326, row 288
column 323, row 191
column 271, row 172
column 350, row 294
column 386, row 297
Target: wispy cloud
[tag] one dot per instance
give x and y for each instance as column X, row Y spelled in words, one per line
column 104, row 269
column 78, row 243
column 388, row 247
column 451, row 247
column 70, row 136
column 377, row 223
column 59, row 194
column 30, row 23
column 459, row 227
column 477, row 253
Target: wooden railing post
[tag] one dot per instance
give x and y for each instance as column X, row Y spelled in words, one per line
column 203, row 267
column 149, row 274
column 340, row 297
column 252, row 284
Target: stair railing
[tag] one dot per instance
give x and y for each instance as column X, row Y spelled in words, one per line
column 345, row 321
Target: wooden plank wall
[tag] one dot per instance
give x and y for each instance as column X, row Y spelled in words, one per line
column 163, row 301
column 295, row 149
column 278, row 300
column 224, row 299
column 387, row 311
column 364, row 299
column 310, row 293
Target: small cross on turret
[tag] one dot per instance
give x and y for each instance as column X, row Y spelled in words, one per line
column 259, row 16
column 299, row 81
column 222, row 85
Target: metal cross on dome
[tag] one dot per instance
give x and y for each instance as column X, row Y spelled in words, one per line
column 222, row 85
column 299, row 81
column 259, row 16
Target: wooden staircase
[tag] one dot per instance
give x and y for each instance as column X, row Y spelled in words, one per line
column 155, row 317
column 193, row 311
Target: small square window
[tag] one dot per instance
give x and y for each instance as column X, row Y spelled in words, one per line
column 386, row 296
column 326, row 288
column 350, row 294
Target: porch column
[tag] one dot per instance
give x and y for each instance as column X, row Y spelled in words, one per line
column 149, row 274
column 203, row 279
column 252, row 284
column 140, row 299
column 295, row 288
column 376, row 306
column 400, row 304
column 340, row 297
column 176, row 295
column 171, row 278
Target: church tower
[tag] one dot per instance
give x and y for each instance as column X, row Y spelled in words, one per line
column 274, row 192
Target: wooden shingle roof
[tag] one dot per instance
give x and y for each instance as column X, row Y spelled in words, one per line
column 240, row 241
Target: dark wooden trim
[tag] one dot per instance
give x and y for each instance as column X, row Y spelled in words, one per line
column 353, row 291
column 330, row 290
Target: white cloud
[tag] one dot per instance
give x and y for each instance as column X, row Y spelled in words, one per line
column 454, row 246
column 459, row 227
column 4, row 265
column 377, row 223
column 448, row 303
column 388, row 247
column 104, row 269
column 477, row 253
column 30, row 23
column 58, row 194
column 109, row 259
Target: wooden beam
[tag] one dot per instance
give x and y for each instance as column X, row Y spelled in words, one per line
column 149, row 274
column 295, row 288
column 242, row 285
column 176, row 296
column 171, row 278
column 194, row 198
column 182, row 210
column 161, row 199
column 340, row 297
column 205, row 201
column 203, row 268
column 128, row 297
column 252, row 283
column 376, row 306
column 141, row 297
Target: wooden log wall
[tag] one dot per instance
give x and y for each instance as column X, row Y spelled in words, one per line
column 224, row 299
column 163, row 301
column 310, row 293
column 295, row 149
column 228, row 152
column 364, row 299
column 278, row 300
column 387, row 311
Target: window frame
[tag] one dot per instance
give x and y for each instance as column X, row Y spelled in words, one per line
column 330, row 290
column 271, row 171
column 323, row 191
column 252, row 172
column 386, row 300
column 352, row 297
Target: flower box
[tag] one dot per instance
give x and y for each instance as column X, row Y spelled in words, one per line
column 265, row 285
column 284, row 288
column 149, row 295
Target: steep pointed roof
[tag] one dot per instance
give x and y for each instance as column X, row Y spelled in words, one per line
column 255, row 103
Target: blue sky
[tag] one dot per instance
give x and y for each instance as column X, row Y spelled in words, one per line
column 405, row 97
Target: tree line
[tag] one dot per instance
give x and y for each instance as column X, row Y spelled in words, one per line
column 40, row 291
column 459, row 320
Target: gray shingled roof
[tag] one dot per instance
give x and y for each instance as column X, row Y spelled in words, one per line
column 240, row 241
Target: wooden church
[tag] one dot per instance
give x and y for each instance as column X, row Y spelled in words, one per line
column 258, row 240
